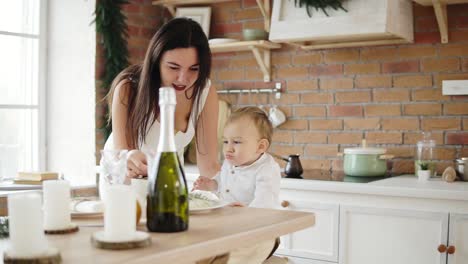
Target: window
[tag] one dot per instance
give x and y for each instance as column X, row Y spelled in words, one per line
column 22, row 92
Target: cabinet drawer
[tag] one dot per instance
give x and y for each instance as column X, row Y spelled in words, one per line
column 319, row 242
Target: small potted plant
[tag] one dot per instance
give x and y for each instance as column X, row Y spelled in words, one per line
column 424, row 173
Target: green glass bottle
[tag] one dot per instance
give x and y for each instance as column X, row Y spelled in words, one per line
column 167, row 201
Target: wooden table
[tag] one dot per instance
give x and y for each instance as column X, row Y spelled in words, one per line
column 209, row 234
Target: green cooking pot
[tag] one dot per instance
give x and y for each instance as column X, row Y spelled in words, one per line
column 365, row 162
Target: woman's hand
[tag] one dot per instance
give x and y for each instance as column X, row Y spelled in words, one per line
column 136, row 164
column 205, row 184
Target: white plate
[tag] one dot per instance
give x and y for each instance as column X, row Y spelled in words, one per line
column 221, row 40
column 207, row 209
column 84, row 208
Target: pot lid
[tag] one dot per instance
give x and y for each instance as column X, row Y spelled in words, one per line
column 375, row 151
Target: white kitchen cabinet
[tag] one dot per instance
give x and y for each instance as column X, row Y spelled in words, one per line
column 388, row 236
column 458, row 239
column 317, row 243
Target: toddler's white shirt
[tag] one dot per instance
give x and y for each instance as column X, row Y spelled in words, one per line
column 255, row 185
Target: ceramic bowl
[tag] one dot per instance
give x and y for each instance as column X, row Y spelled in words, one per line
column 254, row 34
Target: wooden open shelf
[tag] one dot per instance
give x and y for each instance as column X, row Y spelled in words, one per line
column 440, row 9
column 257, row 47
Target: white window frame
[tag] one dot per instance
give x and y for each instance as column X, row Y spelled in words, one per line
column 40, row 153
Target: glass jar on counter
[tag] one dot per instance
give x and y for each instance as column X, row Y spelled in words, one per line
column 425, row 159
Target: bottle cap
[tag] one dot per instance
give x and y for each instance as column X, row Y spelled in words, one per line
column 167, row 96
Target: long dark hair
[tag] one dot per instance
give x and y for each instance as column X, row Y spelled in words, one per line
column 145, row 79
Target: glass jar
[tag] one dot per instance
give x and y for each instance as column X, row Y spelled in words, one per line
column 425, row 155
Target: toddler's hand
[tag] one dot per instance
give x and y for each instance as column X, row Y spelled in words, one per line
column 205, row 184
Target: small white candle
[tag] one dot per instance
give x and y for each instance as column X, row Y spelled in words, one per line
column 25, row 219
column 56, row 204
column 140, row 187
column 120, row 213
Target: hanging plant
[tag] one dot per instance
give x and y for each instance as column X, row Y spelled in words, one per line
column 112, row 27
column 320, row 4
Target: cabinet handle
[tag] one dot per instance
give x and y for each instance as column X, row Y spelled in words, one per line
column 285, row 204
column 442, row 248
column 451, row 250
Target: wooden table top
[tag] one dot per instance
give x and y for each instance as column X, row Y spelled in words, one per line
column 209, row 234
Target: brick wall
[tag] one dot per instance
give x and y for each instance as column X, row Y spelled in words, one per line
column 334, row 98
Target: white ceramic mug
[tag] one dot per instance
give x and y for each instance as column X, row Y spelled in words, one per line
column 276, row 116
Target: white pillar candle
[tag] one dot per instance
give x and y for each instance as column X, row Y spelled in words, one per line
column 25, row 225
column 120, row 213
column 56, row 204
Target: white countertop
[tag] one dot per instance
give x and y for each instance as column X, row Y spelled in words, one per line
column 400, row 186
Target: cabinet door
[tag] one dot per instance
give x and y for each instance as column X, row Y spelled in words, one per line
column 318, row 242
column 458, row 237
column 388, row 236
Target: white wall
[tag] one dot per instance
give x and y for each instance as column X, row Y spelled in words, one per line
column 70, row 84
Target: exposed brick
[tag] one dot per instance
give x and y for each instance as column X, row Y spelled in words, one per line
column 337, row 165
column 453, row 50
column 379, row 54
column 310, row 111
column 344, row 110
column 238, row 85
column 367, row 68
column 463, row 152
column 250, row 13
column 317, row 98
column 384, row 138
column 315, row 164
column 294, row 125
column 344, row 138
column 352, row 97
column 223, row 28
column 249, row 3
column 326, row 124
column 416, row 51
column 280, row 59
column 413, row 137
column 412, row 81
column 321, row 150
column 302, row 85
column 361, row 123
column 456, row 109
column 390, row 95
column 382, row 110
column 322, row 70
column 421, row 11
column 403, row 167
column 221, row 15
column 465, row 123
column 285, row 151
column 401, row 152
column 230, row 74
column 289, row 99
column 429, row 95
column 342, row 55
column 426, row 37
column 457, row 138
column 310, row 137
column 445, row 153
column 400, row 124
column 314, row 58
column 400, row 67
column 239, row 62
column 429, row 109
column 254, row 74
column 430, row 124
column 425, row 24
column 283, row 137
column 449, row 76
column 373, row 81
column 336, row 83
column 440, row 65
column 291, row 72
column 256, row 24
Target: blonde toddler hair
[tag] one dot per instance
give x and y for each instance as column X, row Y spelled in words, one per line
column 258, row 116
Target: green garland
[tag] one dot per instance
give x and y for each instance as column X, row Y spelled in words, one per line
column 320, row 4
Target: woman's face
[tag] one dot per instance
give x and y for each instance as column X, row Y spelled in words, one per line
column 179, row 68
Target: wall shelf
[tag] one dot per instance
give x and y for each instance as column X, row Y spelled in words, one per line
column 171, row 4
column 440, row 9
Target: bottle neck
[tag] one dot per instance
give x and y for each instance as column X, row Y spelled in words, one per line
column 166, row 136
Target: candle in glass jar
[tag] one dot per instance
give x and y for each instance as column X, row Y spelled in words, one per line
column 56, row 204
column 119, row 213
column 25, row 225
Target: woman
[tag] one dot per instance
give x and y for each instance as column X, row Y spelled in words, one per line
column 178, row 56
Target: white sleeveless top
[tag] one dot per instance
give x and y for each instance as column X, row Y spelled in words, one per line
column 182, row 139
